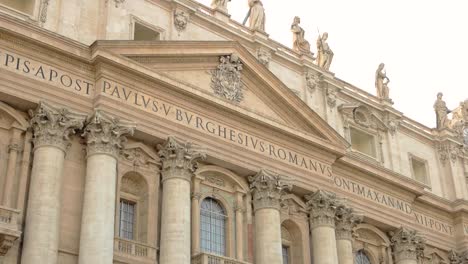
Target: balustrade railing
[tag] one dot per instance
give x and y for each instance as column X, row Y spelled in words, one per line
column 9, row 218
column 134, row 250
column 205, row 258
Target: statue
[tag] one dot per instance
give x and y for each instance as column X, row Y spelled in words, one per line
column 256, row 15
column 441, row 111
column 381, row 83
column 220, row 4
column 324, row 53
column 300, row 44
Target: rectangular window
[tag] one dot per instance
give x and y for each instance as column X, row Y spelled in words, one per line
column 285, row 251
column 141, row 32
column 419, row 170
column 127, row 219
column 363, row 142
column 24, row 6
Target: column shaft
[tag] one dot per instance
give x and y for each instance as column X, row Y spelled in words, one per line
column 41, row 236
column 345, row 251
column 324, row 245
column 13, row 150
column 240, row 227
column 175, row 222
column 196, row 216
column 98, row 218
column 268, row 237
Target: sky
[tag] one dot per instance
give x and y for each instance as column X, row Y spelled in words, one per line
column 423, row 43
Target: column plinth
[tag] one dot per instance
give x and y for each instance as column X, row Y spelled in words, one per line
column 345, row 221
column 267, row 190
column 323, row 207
column 52, row 128
column 178, row 165
column 104, row 138
column 407, row 246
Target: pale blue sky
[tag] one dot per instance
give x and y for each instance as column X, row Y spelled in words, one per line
column 424, row 44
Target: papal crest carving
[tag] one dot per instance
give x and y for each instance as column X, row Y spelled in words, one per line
column 226, row 79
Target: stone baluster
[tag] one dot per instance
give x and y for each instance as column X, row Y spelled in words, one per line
column 345, row 221
column 52, row 128
column 323, row 206
column 104, row 138
column 267, row 190
column 178, row 165
column 407, row 246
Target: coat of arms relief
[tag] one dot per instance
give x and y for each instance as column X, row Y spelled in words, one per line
column 226, row 78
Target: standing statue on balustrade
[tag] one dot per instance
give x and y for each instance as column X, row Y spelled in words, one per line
column 256, row 15
column 300, row 44
column 442, row 112
column 381, row 83
column 324, row 52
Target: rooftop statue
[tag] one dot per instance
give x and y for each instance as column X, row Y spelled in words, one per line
column 324, row 53
column 381, row 83
column 220, row 4
column 256, row 15
column 300, row 44
column 441, row 111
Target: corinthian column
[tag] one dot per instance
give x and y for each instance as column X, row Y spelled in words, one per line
column 323, row 207
column 345, row 221
column 51, row 128
column 178, row 164
column 104, row 139
column 407, row 245
column 267, row 190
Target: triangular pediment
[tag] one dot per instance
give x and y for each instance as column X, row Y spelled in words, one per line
column 264, row 96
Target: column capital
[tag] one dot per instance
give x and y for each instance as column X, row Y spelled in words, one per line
column 323, row 207
column 346, row 219
column 268, row 188
column 105, row 134
column 407, row 244
column 179, row 159
column 53, row 126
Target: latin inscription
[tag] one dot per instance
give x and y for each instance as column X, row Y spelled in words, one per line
column 205, row 125
column 45, row 73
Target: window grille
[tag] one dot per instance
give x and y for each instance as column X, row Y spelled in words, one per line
column 285, row 252
column 361, row 258
column 127, row 219
column 212, row 227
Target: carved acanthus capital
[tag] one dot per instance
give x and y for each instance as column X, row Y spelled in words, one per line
column 346, row 219
column 407, row 244
column 453, row 257
column 267, row 189
column 53, row 126
column 323, row 206
column 179, row 159
column 105, row 134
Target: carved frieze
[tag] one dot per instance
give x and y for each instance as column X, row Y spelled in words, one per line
column 407, row 244
column 105, row 134
column 181, row 19
column 179, row 159
column 226, row 78
column 263, row 56
column 448, row 151
column 346, row 219
column 323, row 206
column 268, row 189
column 54, row 126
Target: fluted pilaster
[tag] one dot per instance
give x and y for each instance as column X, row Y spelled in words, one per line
column 407, row 245
column 345, row 220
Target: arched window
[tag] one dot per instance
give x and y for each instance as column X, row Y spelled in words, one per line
column 361, row 258
column 212, row 227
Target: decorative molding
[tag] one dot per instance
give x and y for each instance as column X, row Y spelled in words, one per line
column 181, row 19
column 129, row 185
column 14, row 147
column 268, row 188
column 179, row 159
column 407, row 244
column 117, row 2
column 138, row 155
column 448, row 151
column 313, row 81
column 43, row 12
column 263, row 56
column 346, row 219
column 322, row 206
column 331, row 94
column 215, row 180
column 53, row 126
column 226, row 79
column 105, row 134
column 6, row 242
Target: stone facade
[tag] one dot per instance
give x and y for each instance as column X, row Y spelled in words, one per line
column 172, row 109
